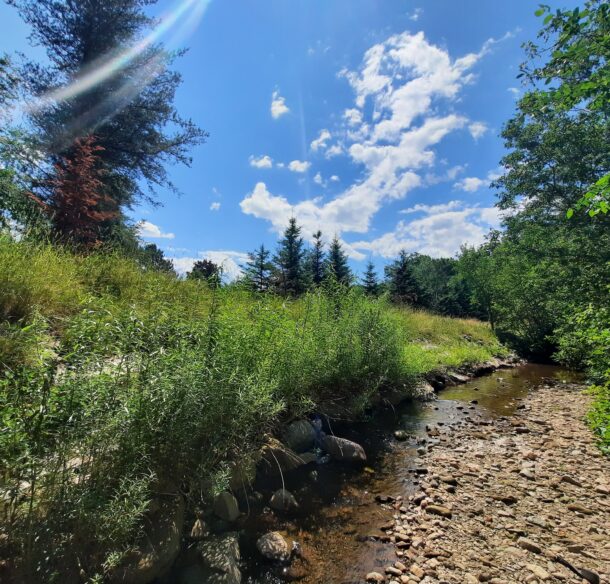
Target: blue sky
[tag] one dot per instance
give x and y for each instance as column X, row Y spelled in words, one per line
column 376, row 121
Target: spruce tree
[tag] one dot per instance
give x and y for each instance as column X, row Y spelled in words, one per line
column 289, row 264
column 130, row 110
column 369, row 281
column 336, row 263
column 315, row 260
column 257, row 271
column 402, row 285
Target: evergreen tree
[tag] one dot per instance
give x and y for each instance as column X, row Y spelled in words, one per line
column 369, row 281
column 290, row 273
column 130, row 110
column 315, row 260
column 151, row 257
column 402, row 284
column 257, row 271
column 207, row 271
column 336, row 263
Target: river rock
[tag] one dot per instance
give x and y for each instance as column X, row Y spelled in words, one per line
column 283, row 500
column 439, row 510
column 299, row 436
column 529, row 545
column 277, row 458
column 273, row 546
column 226, row 507
column 375, row 577
column 343, row 450
column 220, row 559
column 160, row 547
column 401, row 435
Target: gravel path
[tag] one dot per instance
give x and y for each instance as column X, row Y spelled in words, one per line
column 503, row 498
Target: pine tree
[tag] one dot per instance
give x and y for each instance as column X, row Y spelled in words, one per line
column 315, row 260
column 336, row 263
column 290, row 273
column 257, row 271
column 402, row 284
column 369, row 281
column 79, row 208
column 207, row 271
column 130, row 111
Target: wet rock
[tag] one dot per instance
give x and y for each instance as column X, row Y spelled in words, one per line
column 401, row 435
column 299, row 436
column 457, row 377
column 277, row 458
column 343, row 450
column 440, row 510
column 375, row 577
column 161, row 544
column 226, row 507
column 283, row 500
column 220, row 559
column 273, row 546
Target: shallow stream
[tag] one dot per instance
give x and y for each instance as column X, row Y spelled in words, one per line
column 338, row 511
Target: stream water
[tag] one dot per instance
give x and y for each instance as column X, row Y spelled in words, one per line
column 337, row 508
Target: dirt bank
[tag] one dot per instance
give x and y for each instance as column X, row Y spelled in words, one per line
column 499, row 499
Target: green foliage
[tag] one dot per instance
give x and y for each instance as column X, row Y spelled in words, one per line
column 315, row 260
column 289, row 261
column 336, row 263
column 258, row 270
column 206, row 271
column 402, row 285
column 119, row 383
column 369, row 281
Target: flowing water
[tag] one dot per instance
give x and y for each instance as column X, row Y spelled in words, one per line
column 338, row 511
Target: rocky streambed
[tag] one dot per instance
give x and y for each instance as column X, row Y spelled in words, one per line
column 497, row 480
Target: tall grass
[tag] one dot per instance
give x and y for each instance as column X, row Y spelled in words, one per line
column 118, row 384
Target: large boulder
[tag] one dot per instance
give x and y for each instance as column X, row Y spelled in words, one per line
column 283, row 500
column 277, row 458
column 273, row 546
column 220, row 557
column 343, row 450
column 299, row 436
column 159, row 547
column 226, row 507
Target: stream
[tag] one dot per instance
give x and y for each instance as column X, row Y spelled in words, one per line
column 337, row 508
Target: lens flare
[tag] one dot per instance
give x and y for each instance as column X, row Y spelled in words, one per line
column 180, row 21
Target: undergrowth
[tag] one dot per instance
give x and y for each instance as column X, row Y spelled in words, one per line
column 117, row 384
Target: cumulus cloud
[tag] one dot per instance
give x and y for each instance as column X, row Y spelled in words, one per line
column 405, row 91
column 415, row 15
column 148, row 230
column 229, row 261
column 321, row 141
column 437, row 230
column 472, row 184
column 477, row 129
column 318, row 179
column 215, row 206
column 261, row 162
column 299, row 165
column 334, row 178
column 278, row 106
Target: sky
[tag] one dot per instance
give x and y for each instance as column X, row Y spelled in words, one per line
column 374, row 121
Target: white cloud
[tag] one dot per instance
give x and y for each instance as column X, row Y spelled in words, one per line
column 278, row 106
column 439, row 231
column 414, row 16
column 229, row 261
column 334, row 178
column 472, row 184
column 405, row 94
column 318, row 179
column 320, row 142
column 477, row 129
column 215, row 206
column 515, row 91
column 261, row 162
column 149, row 230
column 299, row 165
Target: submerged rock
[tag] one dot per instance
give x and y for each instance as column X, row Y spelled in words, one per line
column 273, row 546
column 299, row 436
column 343, row 450
column 401, row 435
column 283, row 500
